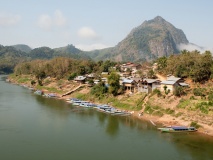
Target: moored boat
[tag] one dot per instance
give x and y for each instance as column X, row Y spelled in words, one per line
column 38, row 92
column 177, row 129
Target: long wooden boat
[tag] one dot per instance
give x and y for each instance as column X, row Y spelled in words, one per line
column 177, row 129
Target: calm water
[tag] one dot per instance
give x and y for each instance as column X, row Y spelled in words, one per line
column 37, row 128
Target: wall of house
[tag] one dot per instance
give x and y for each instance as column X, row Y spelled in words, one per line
column 169, row 87
column 156, row 85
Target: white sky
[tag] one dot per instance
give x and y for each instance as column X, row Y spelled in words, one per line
column 96, row 24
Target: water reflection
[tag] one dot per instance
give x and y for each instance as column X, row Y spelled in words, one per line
column 112, row 127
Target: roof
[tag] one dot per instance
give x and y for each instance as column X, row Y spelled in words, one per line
column 150, row 80
column 127, row 81
column 137, row 79
column 184, row 84
column 179, row 127
column 168, row 82
column 80, row 78
column 173, row 78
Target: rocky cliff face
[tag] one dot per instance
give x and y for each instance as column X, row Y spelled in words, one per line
column 152, row 39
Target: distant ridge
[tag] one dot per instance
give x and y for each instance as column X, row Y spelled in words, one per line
column 22, row 47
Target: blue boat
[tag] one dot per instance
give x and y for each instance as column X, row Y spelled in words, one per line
column 178, row 129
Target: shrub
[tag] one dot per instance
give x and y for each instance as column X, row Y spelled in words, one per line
column 72, row 76
column 199, row 92
column 179, row 91
column 158, row 113
column 183, row 103
column 169, row 111
column 195, row 124
column 33, row 82
column 157, row 91
column 210, row 97
column 192, row 98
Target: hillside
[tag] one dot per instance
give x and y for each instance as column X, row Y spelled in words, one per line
column 22, row 47
column 12, row 55
column 152, row 39
column 9, row 57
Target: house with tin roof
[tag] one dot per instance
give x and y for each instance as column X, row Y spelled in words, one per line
column 148, row 85
column 128, row 84
column 172, row 82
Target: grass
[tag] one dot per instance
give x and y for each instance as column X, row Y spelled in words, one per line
column 178, row 114
column 158, row 113
column 49, row 89
column 169, row 111
column 23, row 80
column 183, row 103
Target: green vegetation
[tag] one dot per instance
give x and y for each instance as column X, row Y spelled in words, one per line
column 99, row 90
column 183, row 103
column 199, row 92
column 179, row 91
column 114, row 85
column 192, row 65
column 195, row 124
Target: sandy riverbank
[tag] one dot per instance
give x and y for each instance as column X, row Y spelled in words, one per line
column 168, row 120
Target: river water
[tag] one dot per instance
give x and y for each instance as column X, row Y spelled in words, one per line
column 33, row 127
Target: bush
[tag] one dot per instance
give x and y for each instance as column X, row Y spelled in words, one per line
column 192, row 98
column 195, row 124
column 158, row 113
column 203, row 106
column 72, row 76
column 33, row 82
column 199, row 92
column 210, row 97
column 179, row 91
column 169, row 111
column 157, row 91
column 183, row 103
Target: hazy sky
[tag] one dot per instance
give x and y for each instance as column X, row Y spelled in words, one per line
column 90, row 24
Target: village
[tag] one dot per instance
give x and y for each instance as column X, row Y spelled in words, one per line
column 132, row 83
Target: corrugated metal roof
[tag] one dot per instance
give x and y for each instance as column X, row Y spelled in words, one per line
column 184, row 84
column 173, row 78
column 168, row 82
column 150, row 80
column 127, row 80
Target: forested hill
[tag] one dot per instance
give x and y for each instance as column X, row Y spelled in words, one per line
column 12, row 55
column 152, row 39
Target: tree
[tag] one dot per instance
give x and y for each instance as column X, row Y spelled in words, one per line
column 99, row 90
column 162, row 63
column 114, row 85
column 179, row 91
column 40, row 76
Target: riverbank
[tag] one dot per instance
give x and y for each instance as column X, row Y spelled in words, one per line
column 178, row 116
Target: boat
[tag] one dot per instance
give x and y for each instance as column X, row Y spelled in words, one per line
column 177, row 129
column 38, row 92
column 50, row 95
column 89, row 105
column 103, row 107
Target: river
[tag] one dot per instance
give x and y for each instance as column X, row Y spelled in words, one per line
column 33, row 127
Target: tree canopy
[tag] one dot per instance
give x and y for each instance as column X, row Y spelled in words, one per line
column 194, row 65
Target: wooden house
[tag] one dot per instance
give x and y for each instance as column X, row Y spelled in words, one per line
column 170, row 85
column 80, row 79
column 129, row 84
column 148, row 85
